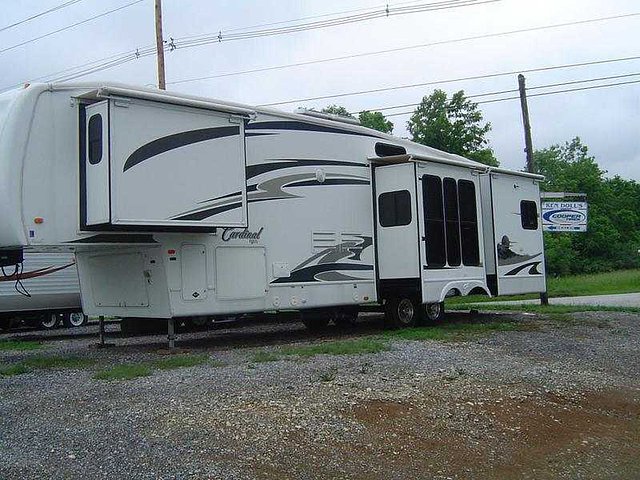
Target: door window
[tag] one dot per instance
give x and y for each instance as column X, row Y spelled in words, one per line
column 452, row 221
column 529, row 215
column 394, row 208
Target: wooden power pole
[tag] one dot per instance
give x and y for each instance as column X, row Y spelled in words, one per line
column 160, row 45
column 544, row 297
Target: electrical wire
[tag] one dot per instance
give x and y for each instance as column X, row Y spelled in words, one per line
column 41, row 14
column 542, row 94
column 451, row 80
column 70, row 26
column 405, row 48
column 550, row 85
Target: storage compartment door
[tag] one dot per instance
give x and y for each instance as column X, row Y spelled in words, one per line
column 519, row 249
column 176, row 167
column 96, row 164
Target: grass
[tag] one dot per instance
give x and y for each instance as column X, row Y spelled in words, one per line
column 50, row 363
column 454, row 331
column 548, row 309
column 263, row 356
column 128, row 371
column 179, row 361
column 19, row 345
column 11, row 370
column 125, row 371
column 346, row 347
column 621, row 281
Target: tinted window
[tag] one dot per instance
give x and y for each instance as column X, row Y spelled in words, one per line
column 468, row 223
column 452, row 221
column 434, row 221
column 529, row 215
column 394, row 208
column 95, row 139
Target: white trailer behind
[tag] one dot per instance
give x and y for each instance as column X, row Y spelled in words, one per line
column 180, row 206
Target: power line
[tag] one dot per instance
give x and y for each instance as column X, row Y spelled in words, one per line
column 69, row 26
column 41, row 14
column 542, row 94
column 408, row 47
column 502, row 92
column 388, row 11
column 451, row 80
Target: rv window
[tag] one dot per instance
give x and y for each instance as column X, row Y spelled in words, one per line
column 468, row 223
column 388, row 150
column 529, row 215
column 452, row 221
column 394, row 208
column 95, row 139
column 434, row 221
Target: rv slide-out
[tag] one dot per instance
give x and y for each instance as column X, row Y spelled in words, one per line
column 179, row 206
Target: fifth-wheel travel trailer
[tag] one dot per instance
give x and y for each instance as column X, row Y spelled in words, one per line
column 44, row 291
column 179, row 206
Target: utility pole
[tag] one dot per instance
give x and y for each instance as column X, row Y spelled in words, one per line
column 160, row 45
column 544, row 297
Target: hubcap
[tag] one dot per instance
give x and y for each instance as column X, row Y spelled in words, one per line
column 405, row 310
column 433, row 310
column 76, row 319
column 51, row 321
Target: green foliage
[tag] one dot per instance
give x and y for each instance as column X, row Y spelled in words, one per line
column 337, row 110
column 454, row 331
column 262, row 356
column 19, row 345
column 547, row 309
column 179, row 361
column 613, row 237
column 11, row 370
column 454, row 125
column 50, row 363
column 125, row 371
column 375, row 120
column 347, row 347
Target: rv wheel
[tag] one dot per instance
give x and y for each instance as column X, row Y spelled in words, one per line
column 50, row 321
column 401, row 312
column 75, row 319
column 434, row 312
column 315, row 320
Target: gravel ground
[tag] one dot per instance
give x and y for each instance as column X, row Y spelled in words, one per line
column 558, row 399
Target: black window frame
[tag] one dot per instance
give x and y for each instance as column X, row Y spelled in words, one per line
column 94, row 139
column 451, row 221
column 394, row 208
column 434, row 221
column 529, row 215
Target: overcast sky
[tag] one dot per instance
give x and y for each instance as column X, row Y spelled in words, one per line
column 607, row 119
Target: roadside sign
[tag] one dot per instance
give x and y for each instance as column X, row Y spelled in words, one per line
column 564, row 216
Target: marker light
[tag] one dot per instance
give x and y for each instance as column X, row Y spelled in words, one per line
column 38, row 220
column 171, row 252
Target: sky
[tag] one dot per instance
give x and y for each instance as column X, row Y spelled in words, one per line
column 606, row 119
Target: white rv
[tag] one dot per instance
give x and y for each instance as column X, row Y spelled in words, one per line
column 43, row 291
column 180, row 206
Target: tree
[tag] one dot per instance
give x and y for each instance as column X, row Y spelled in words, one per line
column 375, row 120
column 612, row 239
column 454, row 125
column 337, row 110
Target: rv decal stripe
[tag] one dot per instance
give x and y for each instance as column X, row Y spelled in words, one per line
column 119, row 238
column 34, row 273
column 308, row 274
column 255, row 170
column 177, row 140
column 532, row 270
column 306, row 127
column 329, row 181
column 210, row 212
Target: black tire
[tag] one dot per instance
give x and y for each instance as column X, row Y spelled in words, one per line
column 402, row 312
column 49, row 321
column 346, row 317
column 434, row 312
column 5, row 324
column 315, row 320
column 75, row 319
